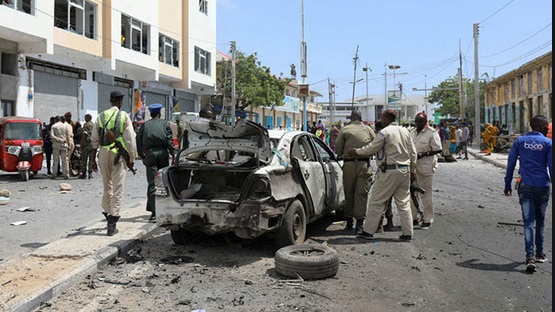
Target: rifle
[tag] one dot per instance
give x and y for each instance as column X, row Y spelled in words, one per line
column 122, row 152
column 413, row 190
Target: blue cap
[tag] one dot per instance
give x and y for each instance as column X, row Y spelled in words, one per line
column 155, row 108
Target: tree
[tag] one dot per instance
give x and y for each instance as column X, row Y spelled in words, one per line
column 254, row 84
column 447, row 97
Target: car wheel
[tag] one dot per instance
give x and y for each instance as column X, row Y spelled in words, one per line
column 180, row 237
column 307, row 261
column 293, row 228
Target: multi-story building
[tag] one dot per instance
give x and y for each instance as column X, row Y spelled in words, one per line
column 515, row 97
column 68, row 55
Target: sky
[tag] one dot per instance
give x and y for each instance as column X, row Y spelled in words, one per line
column 424, row 38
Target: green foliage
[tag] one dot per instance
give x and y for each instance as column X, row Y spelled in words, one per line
column 447, row 97
column 255, row 85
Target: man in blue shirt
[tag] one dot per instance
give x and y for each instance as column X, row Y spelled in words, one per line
column 533, row 185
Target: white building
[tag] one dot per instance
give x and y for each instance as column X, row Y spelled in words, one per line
column 68, row 55
column 372, row 107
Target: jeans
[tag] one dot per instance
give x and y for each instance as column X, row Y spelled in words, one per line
column 533, row 201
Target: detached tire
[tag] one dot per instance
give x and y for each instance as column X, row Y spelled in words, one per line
column 309, row 261
column 293, row 228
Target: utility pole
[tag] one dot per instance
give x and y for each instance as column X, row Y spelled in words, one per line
column 386, row 104
column 233, row 95
column 355, row 60
column 303, row 65
column 330, row 106
column 366, row 69
column 476, row 89
column 461, row 87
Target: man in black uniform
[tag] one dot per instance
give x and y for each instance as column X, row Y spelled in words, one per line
column 155, row 146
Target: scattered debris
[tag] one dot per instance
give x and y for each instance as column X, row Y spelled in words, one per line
column 4, row 200
column 64, row 187
column 16, row 223
column 25, row 209
column 5, row 193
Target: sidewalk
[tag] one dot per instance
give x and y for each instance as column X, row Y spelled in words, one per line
column 48, row 271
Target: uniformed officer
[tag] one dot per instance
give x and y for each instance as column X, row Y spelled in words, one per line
column 396, row 157
column 112, row 166
column 155, row 146
column 357, row 172
column 428, row 144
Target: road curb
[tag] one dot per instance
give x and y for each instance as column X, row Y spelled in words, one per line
column 86, row 266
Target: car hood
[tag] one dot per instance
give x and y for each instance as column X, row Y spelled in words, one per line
column 246, row 136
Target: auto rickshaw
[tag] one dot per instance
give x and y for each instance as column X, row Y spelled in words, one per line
column 21, row 145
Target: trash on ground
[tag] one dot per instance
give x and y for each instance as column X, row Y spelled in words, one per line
column 16, row 223
column 25, row 209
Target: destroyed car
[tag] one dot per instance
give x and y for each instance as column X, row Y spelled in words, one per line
column 247, row 180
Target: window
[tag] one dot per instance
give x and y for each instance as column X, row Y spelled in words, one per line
column 135, row 34
column 202, row 61
column 19, row 5
column 77, row 16
column 203, row 6
column 540, row 80
column 168, row 50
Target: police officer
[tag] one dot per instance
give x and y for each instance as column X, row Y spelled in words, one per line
column 155, row 146
column 357, row 172
column 396, row 156
column 112, row 166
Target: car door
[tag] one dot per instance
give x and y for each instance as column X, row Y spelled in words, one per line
column 311, row 171
column 333, row 174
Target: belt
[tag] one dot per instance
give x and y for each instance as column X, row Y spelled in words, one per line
column 391, row 167
column 357, row 159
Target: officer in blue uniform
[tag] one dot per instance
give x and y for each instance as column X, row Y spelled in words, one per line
column 155, row 147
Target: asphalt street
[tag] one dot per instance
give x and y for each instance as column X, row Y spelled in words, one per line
column 74, row 257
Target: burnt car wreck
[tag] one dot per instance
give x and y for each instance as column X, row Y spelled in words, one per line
column 249, row 181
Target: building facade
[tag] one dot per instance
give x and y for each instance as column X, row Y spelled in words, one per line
column 68, row 55
column 371, row 108
column 515, row 97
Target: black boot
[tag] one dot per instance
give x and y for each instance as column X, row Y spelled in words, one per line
column 349, row 223
column 388, row 227
column 90, row 174
column 83, row 175
column 359, row 227
column 112, row 220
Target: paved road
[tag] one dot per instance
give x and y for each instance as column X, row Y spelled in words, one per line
column 54, row 267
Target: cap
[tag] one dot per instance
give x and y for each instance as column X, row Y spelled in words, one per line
column 116, row 94
column 68, row 114
column 155, row 108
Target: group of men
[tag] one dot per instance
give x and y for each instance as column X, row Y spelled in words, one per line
column 407, row 159
column 403, row 158
column 61, row 138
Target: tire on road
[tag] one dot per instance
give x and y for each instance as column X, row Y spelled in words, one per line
column 309, row 261
column 293, row 228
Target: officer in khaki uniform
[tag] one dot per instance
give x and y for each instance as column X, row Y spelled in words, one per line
column 113, row 173
column 357, row 172
column 155, row 146
column 396, row 157
column 428, row 144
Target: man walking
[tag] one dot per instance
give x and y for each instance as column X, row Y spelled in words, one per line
column 86, row 147
column 112, row 166
column 357, row 172
column 534, row 152
column 428, row 144
column 396, row 156
column 465, row 140
column 155, row 146
column 60, row 145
